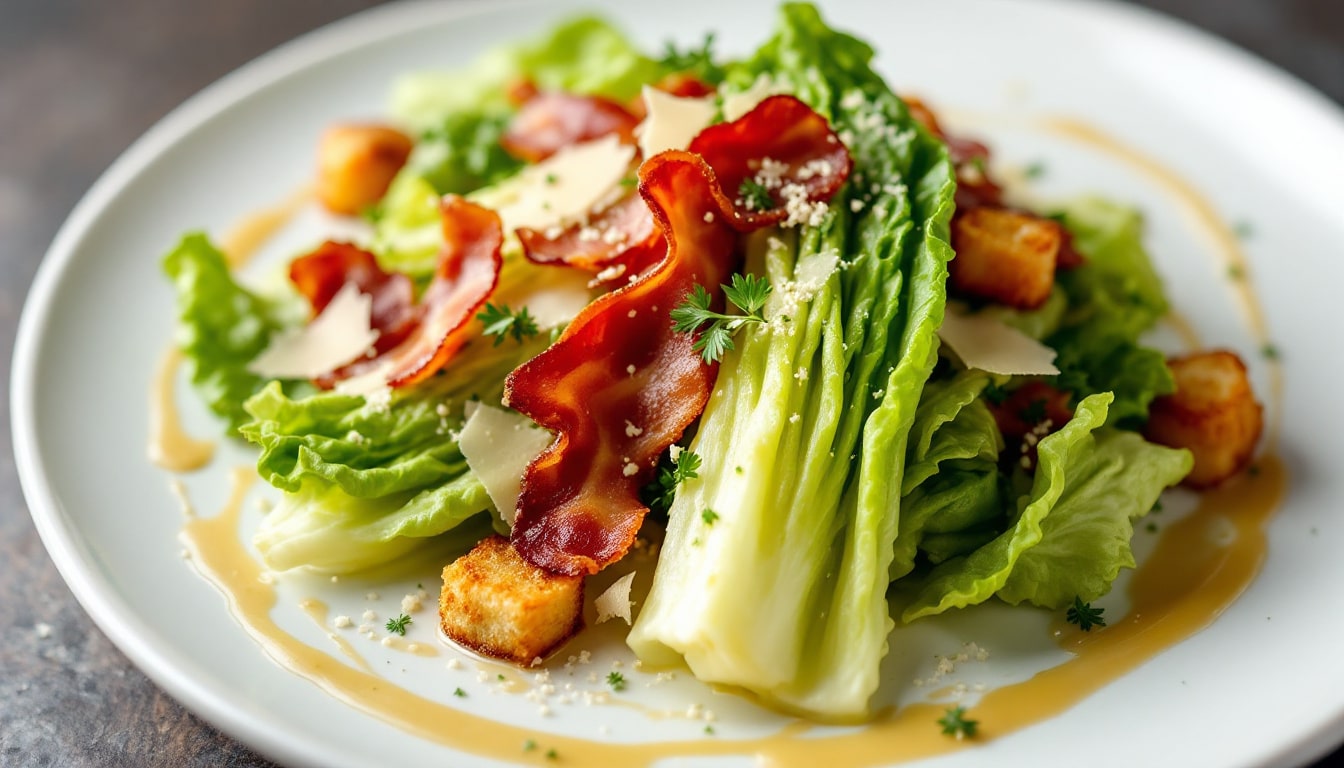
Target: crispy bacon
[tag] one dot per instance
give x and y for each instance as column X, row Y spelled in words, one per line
column 782, row 141
column 550, row 121
column 424, row 336
column 620, row 385
column 783, row 145
column 320, row 275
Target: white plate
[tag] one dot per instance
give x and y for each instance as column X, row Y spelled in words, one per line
column 1262, row 686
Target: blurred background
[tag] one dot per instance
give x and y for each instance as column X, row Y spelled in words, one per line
column 79, row 81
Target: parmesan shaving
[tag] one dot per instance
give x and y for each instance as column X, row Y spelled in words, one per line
column 615, row 601
column 338, row 335
column 564, row 186
column 498, row 446
column 988, row 344
column 672, row 121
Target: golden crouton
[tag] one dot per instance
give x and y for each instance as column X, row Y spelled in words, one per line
column 1004, row 256
column 356, row 163
column 1212, row 412
column 500, row 605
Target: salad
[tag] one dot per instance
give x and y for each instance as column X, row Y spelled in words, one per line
column 763, row 312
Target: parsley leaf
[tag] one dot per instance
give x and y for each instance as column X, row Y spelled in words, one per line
column 397, row 626
column 501, row 322
column 617, row 681
column 709, row 516
column 748, row 292
column 695, row 61
column 1084, row 615
column 955, row 724
column 755, row 197
column 660, row 493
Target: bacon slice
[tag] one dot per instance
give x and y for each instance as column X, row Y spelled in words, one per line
column 783, row 145
column 320, row 275
column 782, row 141
column 550, row 121
column 620, row 364
column 424, row 336
column 620, row 361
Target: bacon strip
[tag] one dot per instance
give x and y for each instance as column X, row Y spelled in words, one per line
column 415, row 340
column 782, row 141
column 550, row 121
column 619, row 364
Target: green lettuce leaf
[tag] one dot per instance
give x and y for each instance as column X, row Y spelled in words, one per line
column 221, row 327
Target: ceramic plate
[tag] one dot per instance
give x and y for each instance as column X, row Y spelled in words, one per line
column 1260, row 686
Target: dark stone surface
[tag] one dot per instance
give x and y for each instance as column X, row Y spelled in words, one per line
column 79, row 81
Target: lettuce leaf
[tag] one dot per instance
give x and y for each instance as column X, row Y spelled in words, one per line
column 221, row 327
column 1071, row 534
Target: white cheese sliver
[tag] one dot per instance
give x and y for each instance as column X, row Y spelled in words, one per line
column 498, row 445
column 738, row 104
column 335, row 337
column 615, row 601
column 988, row 344
column 564, row 186
column 672, row 121
column 559, row 299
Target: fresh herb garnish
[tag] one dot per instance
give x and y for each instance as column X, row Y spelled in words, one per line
column 660, row 493
column 501, row 322
column 695, row 61
column 709, row 516
column 1036, row 170
column 748, row 292
column 755, row 196
column 551, row 754
column 459, row 693
column 616, row 680
column 397, row 626
column 1269, row 352
column 529, row 745
column 1084, row 615
column 955, row 724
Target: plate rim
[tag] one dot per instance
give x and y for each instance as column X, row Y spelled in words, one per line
column 62, row 539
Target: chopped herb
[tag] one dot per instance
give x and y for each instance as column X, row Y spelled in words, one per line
column 616, row 680
column 529, row 745
column 629, row 182
column 419, row 586
column 1243, row 229
column 995, row 394
column 499, row 677
column 709, row 730
column 748, row 293
column 755, row 196
column 1034, row 412
column 695, row 61
column 955, row 724
column 1157, row 506
column 397, row 626
column 1235, row 272
column 459, row 693
column 501, row 321
column 1152, row 527
column 1036, row 170
column 1269, row 352
column 738, row 470
column 551, row 754
column 1084, row 615
column 552, row 179
column 709, row 516
column 660, row 493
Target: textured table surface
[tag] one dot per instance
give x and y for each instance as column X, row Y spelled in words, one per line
column 79, row 81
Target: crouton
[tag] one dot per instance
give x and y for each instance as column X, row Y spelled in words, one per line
column 1213, row 412
column 498, row 604
column 356, row 163
column 1004, row 256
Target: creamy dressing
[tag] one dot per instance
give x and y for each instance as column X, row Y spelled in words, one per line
column 243, row 242
column 170, row 447
column 1195, row 572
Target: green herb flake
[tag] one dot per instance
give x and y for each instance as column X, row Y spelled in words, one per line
column 1243, row 229
column 501, row 322
column 551, row 754
column 709, row 516
column 660, row 493
column 398, row 625
column 1269, row 352
column 1084, row 615
column 1035, row 170
column 956, row 725
column 754, row 195
column 529, row 745
column 616, row 680
column 459, row 693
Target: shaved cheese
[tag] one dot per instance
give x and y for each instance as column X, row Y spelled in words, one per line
column 615, row 601
column 340, row 334
column 498, row 445
column 738, row 104
column 560, row 299
column 988, row 344
column 672, row 121
column 564, row 186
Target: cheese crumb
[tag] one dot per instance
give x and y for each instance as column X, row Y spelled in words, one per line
column 630, row 470
column 630, row 369
column 369, row 616
column 631, row 430
column 454, row 664
column 343, row 622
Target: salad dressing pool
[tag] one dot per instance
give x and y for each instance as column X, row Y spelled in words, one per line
column 1196, row 570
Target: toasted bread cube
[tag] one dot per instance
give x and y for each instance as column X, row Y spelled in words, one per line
column 498, row 604
column 356, row 163
column 1004, row 256
column 1213, row 412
